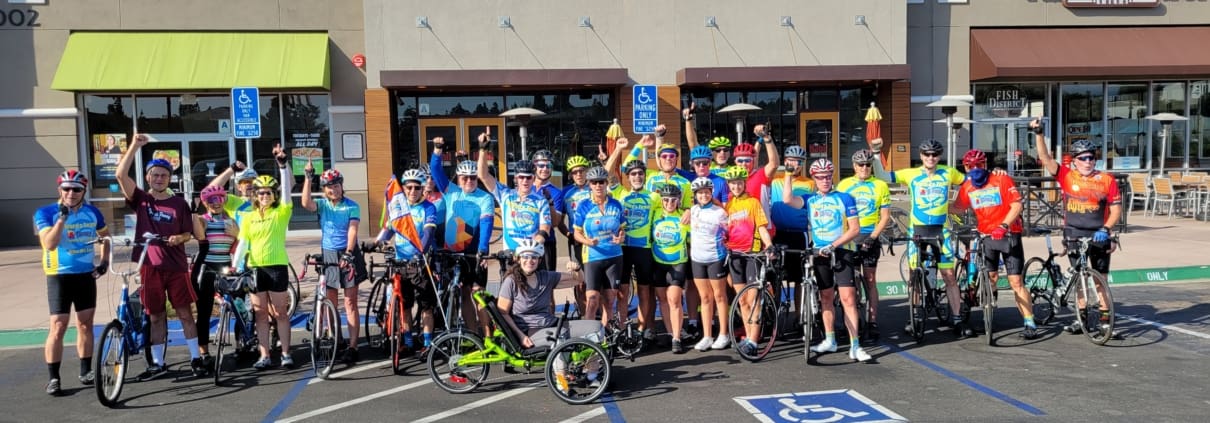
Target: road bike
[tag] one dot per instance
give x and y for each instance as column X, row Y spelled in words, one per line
column 754, row 306
column 324, row 323
column 926, row 291
column 1051, row 288
column 236, row 334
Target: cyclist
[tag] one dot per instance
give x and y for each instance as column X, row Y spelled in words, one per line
column 834, row 224
column 216, row 233
column 338, row 219
column 700, row 158
column 873, row 199
column 670, row 248
column 424, row 217
column 707, row 231
column 997, row 206
column 527, row 298
column 543, row 170
column 243, row 182
column 262, row 241
column 747, row 232
column 639, row 205
column 165, row 273
column 524, row 213
column 748, row 156
column 1093, row 204
column 789, row 225
column 930, row 186
column 573, row 194
column 720, row 146
column 599, row 225
column 66, row 231
column 468, row 225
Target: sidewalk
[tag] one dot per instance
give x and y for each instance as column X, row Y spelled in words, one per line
column 1154, row 250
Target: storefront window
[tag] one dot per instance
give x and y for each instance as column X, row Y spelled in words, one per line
column 109, row 126
column 854, row 103
column 461, row 105
column 1199, row 123
column 1003, row 112
column 1126, row 105
column 1169, row 97
column 1083, row 106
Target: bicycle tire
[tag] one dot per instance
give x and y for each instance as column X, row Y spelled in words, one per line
column 110, row 364
column 396, row 333
column 808, row 308
column 325, row 338
column 941, row 302
column 1100, row 316
column 294, row 289
column 222, row 340
column 968, row 293
column 443, row 366
column 579, row 358
column 1041, row 285
column 916, row 302
column 372, row 321
column 763, row 313
column 628, row 340
column 905, row 270
column 987, row 297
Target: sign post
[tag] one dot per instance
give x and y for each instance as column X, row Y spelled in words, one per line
column 646, row 109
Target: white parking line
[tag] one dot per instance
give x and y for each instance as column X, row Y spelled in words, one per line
column 1165, row 327
column 351, row 403
column 586, row 415
column 462, row 409
column 373, row 365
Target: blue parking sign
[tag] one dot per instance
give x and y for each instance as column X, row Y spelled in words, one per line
column 841, row 405
column 245, row 112
column 646, row 109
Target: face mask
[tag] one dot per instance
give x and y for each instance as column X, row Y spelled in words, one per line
column 978, row 177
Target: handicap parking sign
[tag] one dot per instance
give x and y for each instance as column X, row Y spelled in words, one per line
column 842, row 405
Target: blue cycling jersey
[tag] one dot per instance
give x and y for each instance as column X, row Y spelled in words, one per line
column 74, row 253
column 468, row 216
column 334, row 222
column 829, row 214
column 522, row 215
column 424, row 216
column 600, row 222
column 721, row 192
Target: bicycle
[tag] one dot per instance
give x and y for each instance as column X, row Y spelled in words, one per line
column 762, row 310
column 979, row 290
column 128, row 333
column 1046, row 280
column 235, row 313
column 809, row 306
column 925, row 296
column 325, row 319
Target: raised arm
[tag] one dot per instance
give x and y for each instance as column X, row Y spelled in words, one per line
column 127, row 183
column 1048, row 162
column 223, row 178
column 879, row 171
column 489, row 181
column 787, row 192
column 435, row 170
column 770, row 149
column 306, row 201
column 615, row 157
column 687, row 115
column 283, row 172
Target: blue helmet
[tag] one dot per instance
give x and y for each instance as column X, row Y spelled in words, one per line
column 700, row 152
column 159, row 163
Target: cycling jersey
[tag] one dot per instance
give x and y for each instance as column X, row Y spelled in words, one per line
column 600, row 222
column 656, row 178
column 220, row 242
column 334, row 222
column 829, row 214
column 521, row 215
column 552, row 194
column 265, row 234
column 236, row 204
column 707, row 233
column 784, row 217
column 758, row 185
column 1087, row 198
column 669, row 238
column 990, row 203
column 744, row 217
column 717, row 170
column 468, row 216
column 930, row 193
column 74, row 253
column 721, row 192
column 424, row 216
column 639, row 208
column 572, row 196
column 871, row 195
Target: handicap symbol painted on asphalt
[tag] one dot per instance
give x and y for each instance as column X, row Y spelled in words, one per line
column 842, row 405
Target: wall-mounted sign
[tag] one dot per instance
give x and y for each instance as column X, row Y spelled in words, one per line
column 359, row 60
column 1006, row 101
column 1110, row 3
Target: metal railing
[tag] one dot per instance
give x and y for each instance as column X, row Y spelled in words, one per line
column 1044, row 202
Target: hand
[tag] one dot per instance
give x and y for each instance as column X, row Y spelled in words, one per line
column 485, row 138
column 998, row 233
column 688, row 112
column 759, row 131
column 868, row 243
column 999, row 171
column 572, row 266
column 660, row 131
column 346, row 258
column 527, row 343
column 439, row 142
column 876, row 144
column 101, row 269
column 64, row 211
column 826, row 251
column 238, row 166
column 1101, row 235
column 617, row 239
column 139, row 141
column 1035, row 123
column 279, row 154
column 623, row 142
column 309, row 169
column 601, row 152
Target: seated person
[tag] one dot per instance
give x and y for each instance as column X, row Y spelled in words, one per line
column 527, row 297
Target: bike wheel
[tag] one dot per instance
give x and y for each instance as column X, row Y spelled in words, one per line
column 807, row 311
column 941, row 303
column 763, row 313
column 223, row 340
column 396, row 334
column 1041, row 288
column 987, row 297
column 1099, row 315
column 578, row 371
column 375, row 315
column 628, row 341
column 905, row 270
column 968, row 293
column 293, row 288
column 325, row 338
column 444, row 367
column 916, row 302
column 109, row 363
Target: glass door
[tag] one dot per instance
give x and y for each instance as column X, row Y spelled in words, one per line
column 461, row 135
column 498, row 160
column 205, row 160
column 447, row 129
column 819, row 134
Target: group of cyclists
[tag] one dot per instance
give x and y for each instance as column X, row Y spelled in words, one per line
column 689, row 239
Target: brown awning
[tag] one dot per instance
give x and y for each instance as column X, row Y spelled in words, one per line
column 1079, row 53
column 779, row 75
column 496, row 78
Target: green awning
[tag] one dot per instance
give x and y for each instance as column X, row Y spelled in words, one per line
column 141, row 61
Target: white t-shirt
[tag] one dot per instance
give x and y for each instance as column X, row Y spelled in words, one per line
column 707, row 233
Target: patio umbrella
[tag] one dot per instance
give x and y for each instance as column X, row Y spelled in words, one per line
column 873, row 131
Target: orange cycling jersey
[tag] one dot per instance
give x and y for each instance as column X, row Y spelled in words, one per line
column 990, row 203
column 1087, row 198
column 744, row 217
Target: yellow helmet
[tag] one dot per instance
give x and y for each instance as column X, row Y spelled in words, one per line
column 735, row 172
column 265, row 181
column 577, row 161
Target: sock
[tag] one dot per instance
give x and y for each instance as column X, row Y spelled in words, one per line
column 830, row 337
column 53, row 369
column 193, row 350
column 853, row 344
column 693, row 322
column 85, row 365
column 1029, row 322
column 157, row 354
column 407, row 339
column 428, row 339
column 956, row 319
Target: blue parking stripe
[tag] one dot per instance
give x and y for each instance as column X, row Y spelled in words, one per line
column 974, row 385
column 285, row 402
column 611, row 408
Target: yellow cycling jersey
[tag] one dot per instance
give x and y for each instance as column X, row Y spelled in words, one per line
column 871, row 195
column 930, row 192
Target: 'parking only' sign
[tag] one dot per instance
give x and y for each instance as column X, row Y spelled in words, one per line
column 245, row 112
column 841, row 405
column 646, row 111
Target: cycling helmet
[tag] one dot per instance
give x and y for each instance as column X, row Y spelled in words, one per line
column 575, row 162
column 668, row 148
column 735, row 172
column 212, row 192
column 796, row 152
column 702, row 183
column 415, row 175
column 542, row 155
column 632, row 165
column 72, row 178
column 931, row 145
column 331, row 177
column 597, row 174
column 744, row 150
column 265, row 181
column 822, row 166
column 699, row 152
column 1080, row 147
column 524, row 168
column 973, row 159
column 529, row 246
column 720, row 142
column 467, row 168
column 863, row 156
column 246, row 175
column 159, row 163
column 670, row 190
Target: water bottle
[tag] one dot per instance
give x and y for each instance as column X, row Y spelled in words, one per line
column 242, row 309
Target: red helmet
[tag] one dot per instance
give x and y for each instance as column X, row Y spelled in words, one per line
column 331, row 177
column 974, row 158
column 72, row 178
column 744, row 150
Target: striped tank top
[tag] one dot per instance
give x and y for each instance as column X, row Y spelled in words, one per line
column 220, row 241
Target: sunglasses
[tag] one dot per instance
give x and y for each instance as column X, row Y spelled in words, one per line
column 640, row 173
column 929, row 154
column 216, row 200
column 468, row 178
column 667, row 156
column 702, row 163
column 821, row 177
column 720, row 150
column 671, row 199
column 542, row 165
column 72, row 189
column 526, row 177
column 596, row 182
column 861, row 164
column 579, row 171
column 530, row 257
column 412, row 187
column 743, row 161
column 264, row 193
column 1087, row 158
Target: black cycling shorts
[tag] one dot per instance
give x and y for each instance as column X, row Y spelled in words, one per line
column 65, row 290
column 667, row 275
column 868, row 257
column 272, row 278
column 842, row 275
column 1098, row 252
column 791, row 271
column 639, row 262
column 743, row 269
column 418, row 290
column 604, row 274
column 713, row 270
column 1007, row 249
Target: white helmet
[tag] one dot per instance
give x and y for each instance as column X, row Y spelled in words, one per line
column 415, row 175
column 529, row 246
column 467, row 168
column 702, row 183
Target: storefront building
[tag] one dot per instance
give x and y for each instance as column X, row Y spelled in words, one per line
column 812, row 68
column 1093, row 69
column 99, row 72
